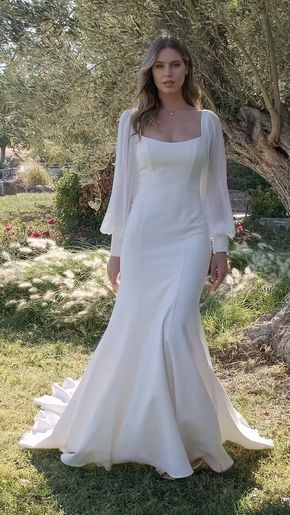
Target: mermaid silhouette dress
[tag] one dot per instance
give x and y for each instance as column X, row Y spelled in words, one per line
column 149, row 393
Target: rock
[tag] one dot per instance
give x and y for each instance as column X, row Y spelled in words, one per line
column 7, row 174
column 274, row 222
column 7, row 187
column 39, row 188
column 273, row 330
column 56, row 171
column 20, row 188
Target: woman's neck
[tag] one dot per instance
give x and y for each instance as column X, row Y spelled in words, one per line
column 173, row 102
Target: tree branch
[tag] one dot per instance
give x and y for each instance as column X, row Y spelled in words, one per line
column 276, row 115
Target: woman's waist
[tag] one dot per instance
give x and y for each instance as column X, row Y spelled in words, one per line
column 157, row 180
column 178, row 193
column 174, row 210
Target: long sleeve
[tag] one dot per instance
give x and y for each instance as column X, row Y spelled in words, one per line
column 125, row 185
column 214, row 189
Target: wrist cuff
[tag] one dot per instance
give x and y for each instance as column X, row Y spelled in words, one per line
column 220, row 243
column 116, row 245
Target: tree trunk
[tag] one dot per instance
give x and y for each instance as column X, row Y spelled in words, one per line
column 2, row 155
column 247, row 143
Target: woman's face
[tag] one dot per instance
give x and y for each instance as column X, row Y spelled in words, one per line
column 169, row 66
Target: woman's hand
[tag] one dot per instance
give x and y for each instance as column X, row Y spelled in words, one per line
column 113, row 269
column 218, row 269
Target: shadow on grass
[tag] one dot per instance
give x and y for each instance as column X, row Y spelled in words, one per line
column 135, row 488
column 44, row 211
column 42, row 336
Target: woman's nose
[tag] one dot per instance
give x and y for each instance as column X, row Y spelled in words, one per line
column 167, row 74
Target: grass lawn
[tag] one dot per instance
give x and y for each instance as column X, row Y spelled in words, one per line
column 36, row 482
column 26, row 206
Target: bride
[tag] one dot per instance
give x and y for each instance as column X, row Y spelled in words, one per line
column 149, row 393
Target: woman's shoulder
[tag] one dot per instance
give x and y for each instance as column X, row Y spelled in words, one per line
column 211, row 115
column 212, row 122
column 126, row 114
column 125, row 119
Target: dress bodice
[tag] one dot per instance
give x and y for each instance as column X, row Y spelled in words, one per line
column 178, row 164
column 184, row 174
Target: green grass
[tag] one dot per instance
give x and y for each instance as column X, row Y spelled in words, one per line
column 26, row 206
column 36, row 482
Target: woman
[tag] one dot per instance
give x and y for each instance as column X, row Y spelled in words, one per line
column 149, row 393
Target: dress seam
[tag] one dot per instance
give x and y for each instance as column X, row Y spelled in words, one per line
column 177, row 294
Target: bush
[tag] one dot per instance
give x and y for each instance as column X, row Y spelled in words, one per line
column 278, row 236
column 31, row 173
column 265, row 203
column 77, row 218
column 243, row 178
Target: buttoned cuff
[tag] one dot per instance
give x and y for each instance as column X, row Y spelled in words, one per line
column 116, row 245
column 220, row 243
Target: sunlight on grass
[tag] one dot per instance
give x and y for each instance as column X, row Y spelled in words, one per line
column 55, row 287
column 26, row 206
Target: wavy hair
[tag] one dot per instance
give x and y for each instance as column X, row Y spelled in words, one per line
column 146, row 103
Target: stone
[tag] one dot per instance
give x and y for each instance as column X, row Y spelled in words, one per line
column 20, row 188
column 7, row 187
column 273, row 330
column 39, row 188
column 276, row 222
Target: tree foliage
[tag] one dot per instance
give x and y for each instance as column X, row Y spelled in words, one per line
column 71, row 67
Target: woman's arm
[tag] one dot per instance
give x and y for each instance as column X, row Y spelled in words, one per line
column 125, row 184
column 214, row 189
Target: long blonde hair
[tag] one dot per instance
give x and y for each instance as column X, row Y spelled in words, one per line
column 146, row 103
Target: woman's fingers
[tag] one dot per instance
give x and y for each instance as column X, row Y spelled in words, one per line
column 218, row 281
column 219, row 269
column 113, row 269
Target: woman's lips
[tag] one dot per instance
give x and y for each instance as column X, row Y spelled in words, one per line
column 168, row 83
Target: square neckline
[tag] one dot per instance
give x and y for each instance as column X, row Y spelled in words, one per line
column 181, row 141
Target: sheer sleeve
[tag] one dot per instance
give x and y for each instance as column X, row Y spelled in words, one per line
column 214, row 189
column 125, row 184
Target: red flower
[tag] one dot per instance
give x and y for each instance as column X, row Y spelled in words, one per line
column 36, row 234
column 8, row 228
column 29, row 233
column 239, row 229
column 46, row 234
column 51, row 221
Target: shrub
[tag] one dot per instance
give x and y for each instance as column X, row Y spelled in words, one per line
column 30, row 174
column 265, row 203
column 241, row 177
column 275, row 234
column 78, row 219
column 67, row 200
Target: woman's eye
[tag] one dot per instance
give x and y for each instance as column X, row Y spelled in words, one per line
column 160, row 65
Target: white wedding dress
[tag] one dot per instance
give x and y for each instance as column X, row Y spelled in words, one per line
column 149, row 393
